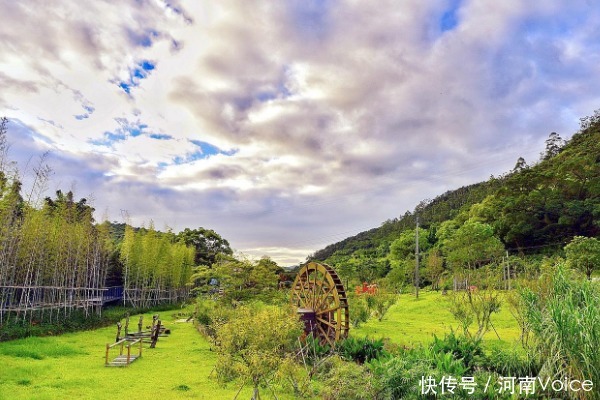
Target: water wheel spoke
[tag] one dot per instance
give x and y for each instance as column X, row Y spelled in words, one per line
column 326, row 304
column 311, row 287
column 326, row 295
column 299, row 290
column 317, row 293
column 324, row 321
column 325, row 335
column 302, row 283
column 301, row 300
column 327, row 310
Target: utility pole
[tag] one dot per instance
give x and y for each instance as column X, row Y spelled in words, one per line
column 417, row 259
column 508, row 270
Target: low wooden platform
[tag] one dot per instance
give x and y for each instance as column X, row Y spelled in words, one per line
column 121, row 360
column 125, row 357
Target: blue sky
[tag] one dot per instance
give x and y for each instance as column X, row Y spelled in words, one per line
column 286, row 126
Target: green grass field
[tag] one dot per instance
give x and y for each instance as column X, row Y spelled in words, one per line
column 414, row 321
column 71, row 366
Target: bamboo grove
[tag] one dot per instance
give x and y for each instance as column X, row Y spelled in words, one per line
column 54, row 258
column 52, row 261
column 156, row 269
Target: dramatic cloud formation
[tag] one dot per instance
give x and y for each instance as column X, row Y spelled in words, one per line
column 288, row 125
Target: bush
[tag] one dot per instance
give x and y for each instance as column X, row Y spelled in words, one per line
column 314, row 350
column 461, row 348
column 255, row 344
column 383, row 302
column 398, row 377
column 347, row 380
column 209, row 316
column 360, row 310
column 361, row 350
column 512, row 363
column 477, row 305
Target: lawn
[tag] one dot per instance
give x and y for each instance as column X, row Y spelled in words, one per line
column 71, row 366
column 414, row 321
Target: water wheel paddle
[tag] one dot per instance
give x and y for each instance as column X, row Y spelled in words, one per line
column 321, row 299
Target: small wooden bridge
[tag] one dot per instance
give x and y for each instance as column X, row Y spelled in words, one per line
column 31, row 298
column 110, row 294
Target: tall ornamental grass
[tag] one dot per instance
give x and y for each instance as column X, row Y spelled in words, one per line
column 564, row 315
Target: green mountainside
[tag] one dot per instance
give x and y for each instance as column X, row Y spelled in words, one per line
column 531, row 210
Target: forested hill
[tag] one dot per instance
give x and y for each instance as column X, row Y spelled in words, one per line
column 375, row 241
column 530, row 209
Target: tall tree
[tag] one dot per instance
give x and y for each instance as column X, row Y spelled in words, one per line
column 404, row 245
column 520, row 165
column 74, row 210
column 472, row 244
column 208, row 244
column 554, row 145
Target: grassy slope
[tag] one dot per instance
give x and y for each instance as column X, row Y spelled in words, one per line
column 411, row 321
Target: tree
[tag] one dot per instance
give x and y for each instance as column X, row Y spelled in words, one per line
column 520, row 165
column 477, row 305
column 269, row 265
column 208, row 244
column 583, row 253
column 254, row 345
column 367, row 269
column 434, row 267
column 156, row 269
column 590, row 121
column 554, row 145
column 239, row 279
column 404, row 246
column 472, row 245
column 74, row 211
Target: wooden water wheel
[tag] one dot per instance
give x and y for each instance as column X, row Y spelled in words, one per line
column 321, row 299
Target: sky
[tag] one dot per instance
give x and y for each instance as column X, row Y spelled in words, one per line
column 287, row 125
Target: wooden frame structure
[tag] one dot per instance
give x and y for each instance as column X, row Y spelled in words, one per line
column 123, row 360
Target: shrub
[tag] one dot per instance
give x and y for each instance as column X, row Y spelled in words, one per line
column 255, row 344
column 314, row 351
column 383, row 302
column 512, row 363
column 209, row 316
column 475, row 306
column 359, row 310
column 445, row 363
column 349, row 381
column 399, row 376
column 361, row 350
column 460, row 348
